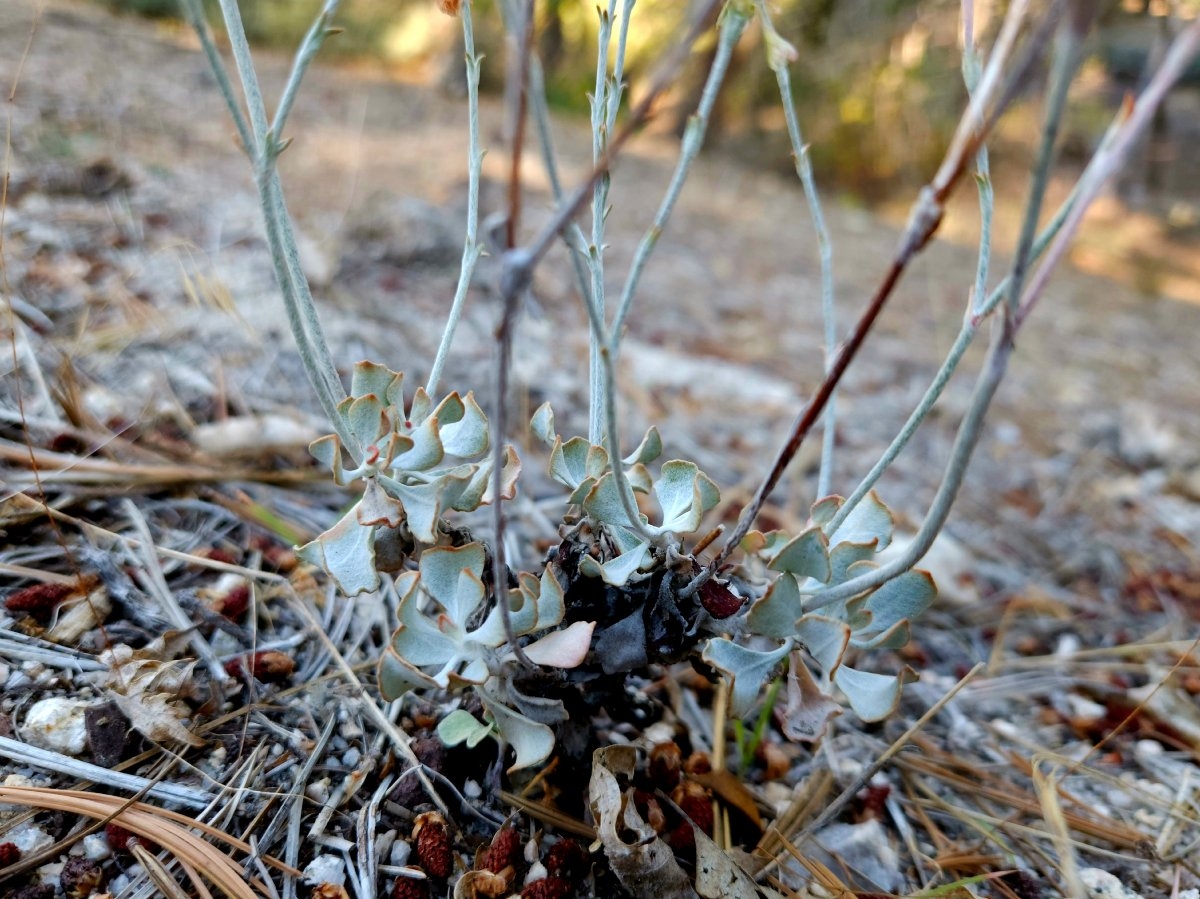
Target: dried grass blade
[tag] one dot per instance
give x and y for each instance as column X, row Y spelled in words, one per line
column 172, row 830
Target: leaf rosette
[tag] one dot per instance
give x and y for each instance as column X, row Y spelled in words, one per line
column 415, row 463
column 807, row 566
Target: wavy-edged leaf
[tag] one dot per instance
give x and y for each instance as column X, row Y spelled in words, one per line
column 747, row 669
column 542, row 424
column 371, row 377
column 805, row 556
column 347, row 553
column 423, row 641
column 451, row 576
column 562, row 649
column 422, row 506
column 421, row 406
column 845, row 555
column 569, row 461
column 872, row 696
column 328, row 451
column 775, row 614
column 869, row 521
column 639, row 478
column 551, row 605
column 510, row 471
column 468, row 436
column 684, row 494
column 648, row 450
column 366, row 420
column 532, row 742
column 766, row 546
column 376, row 507
column 893, row 605
column 603, row 502
column 618, row 570
column 460, row 726
column 463, row 486
column 397, row 677
column 426, row 450
column 824, row 509
column 825, row 639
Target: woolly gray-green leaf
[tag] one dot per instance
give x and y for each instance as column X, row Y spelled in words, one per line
column 397, row 677
column 468, row 437
column 872, row 696
column 902, row 599
column 747, row 670
column 648, row 450
column 775, row 614
column 460, row 726
column 371, row 377
column 542, row 424
column 422, row 506
column 868, row 522
column 618, row 570
column 603, row 502
column 825, row 638
column 451, row 575
column 532, row 742
column 366, row 420
column 806, row 556
column 347, row 553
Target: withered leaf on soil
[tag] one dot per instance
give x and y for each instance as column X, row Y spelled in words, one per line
column 645, row 865
column 147, row 690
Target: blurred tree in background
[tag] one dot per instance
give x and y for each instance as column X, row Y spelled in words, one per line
column 876, row 80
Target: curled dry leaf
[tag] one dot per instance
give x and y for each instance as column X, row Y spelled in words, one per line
column 642, row 862
column 147, row 691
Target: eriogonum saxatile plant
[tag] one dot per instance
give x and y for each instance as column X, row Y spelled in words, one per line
column 408, row 468
column 808, row 565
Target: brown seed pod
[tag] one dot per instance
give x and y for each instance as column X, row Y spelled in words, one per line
column 504, row 851
column 548, row 888
column 666, row 761
column 695, row 802
column 410, row 888
column 568, row 859
column 81, row 877
column 431, row 838
column 718, row 600
column 269, row 666
column 38, row 601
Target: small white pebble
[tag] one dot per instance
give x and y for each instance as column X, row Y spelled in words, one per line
column 1068, row 646
column 537, row 871
column 96, row 847
column 1147, row 749
column 401, row 850
column 318, row 791
column 658, row 732
column 28, row 838
column 325, row 869
column 1084, row 710
column 472, row 790
column 1102, row 885
column 57, row 724
column 351, row 757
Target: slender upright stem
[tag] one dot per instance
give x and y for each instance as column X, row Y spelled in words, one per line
column 597, row 335
column 732, row 26
column 924, row 219
column 471, row 246
column 298, row 302
column 824, row 245
column 1003, row 340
